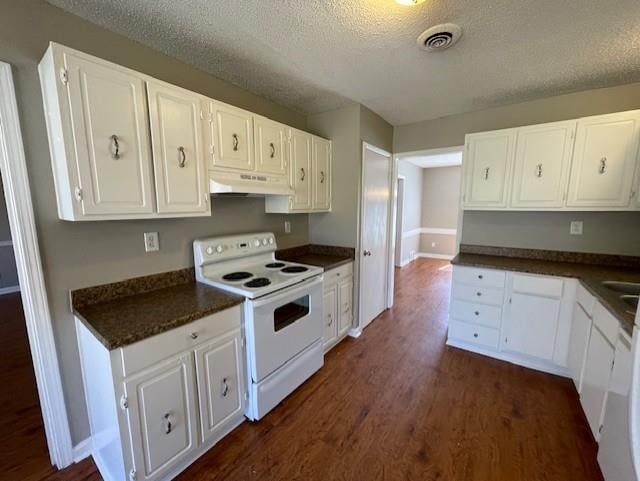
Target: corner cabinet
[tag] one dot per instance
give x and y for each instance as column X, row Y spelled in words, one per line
column 309, row 176
column 338, row 304
column 157, row 405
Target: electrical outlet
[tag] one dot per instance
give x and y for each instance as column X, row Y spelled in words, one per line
column 433, row 244
column 287, row 227
column 576, row 227
column 151, row 242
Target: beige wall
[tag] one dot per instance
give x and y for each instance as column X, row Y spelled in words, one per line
column 83, row 254
column 517, row 229
column 440, row 208
column 411, row 209
column 375, row 130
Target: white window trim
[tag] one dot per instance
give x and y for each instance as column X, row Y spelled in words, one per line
column 30, row 275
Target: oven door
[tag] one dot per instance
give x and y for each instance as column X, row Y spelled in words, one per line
column 281, row 325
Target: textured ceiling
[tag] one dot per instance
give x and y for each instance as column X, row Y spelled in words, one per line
column 317, row 55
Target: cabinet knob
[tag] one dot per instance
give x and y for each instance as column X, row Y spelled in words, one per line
column 225, row 387
column 330, row 320
column 321, row 177
column 116, row 147
column 486, row 173
column 480, row 276
column 236, row 141
column 194, row 335
column 479, row 294
column 477, row 313
column 539, row 170
column 273, row 150
column 475, row 334
column 182, row 157
column 167, row 423
column 603, row 165
column 302, row 174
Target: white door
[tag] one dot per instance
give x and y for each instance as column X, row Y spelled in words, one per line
column 543, row 154
column 374, row 233
column 233, row 145
column 604, row 160
column 531, row 325
column 345, row 303
column 321, row 160
column 219, row 370
column 488, row 160
column 330, row 302
column 179, row 156
column 108, row 112
column 162, row 416
column 578, row 343
column 270, row 146
column 301, row 169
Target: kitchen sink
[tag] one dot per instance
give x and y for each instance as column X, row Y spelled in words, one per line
column 629, row 288
column 630, row 300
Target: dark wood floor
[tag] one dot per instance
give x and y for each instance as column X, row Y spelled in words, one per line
column 397, row 404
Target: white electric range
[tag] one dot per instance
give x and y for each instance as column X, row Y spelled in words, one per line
column 282, row 312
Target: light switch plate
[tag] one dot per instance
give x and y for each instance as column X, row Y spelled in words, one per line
column 576, row 227
column 151, row 242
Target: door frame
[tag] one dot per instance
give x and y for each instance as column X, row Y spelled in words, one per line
column 398, row 215
column 31, row 276
column 390, row 230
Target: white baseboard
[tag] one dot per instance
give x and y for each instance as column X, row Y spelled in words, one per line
column 355, row 332
column 9, row 290
column 435, row 256
column 406, row 262
column 82, row 450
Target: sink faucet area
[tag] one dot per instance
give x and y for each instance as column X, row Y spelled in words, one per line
column 629, row 292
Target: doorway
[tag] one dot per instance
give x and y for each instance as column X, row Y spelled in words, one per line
column 399, row 220
column 376, row 255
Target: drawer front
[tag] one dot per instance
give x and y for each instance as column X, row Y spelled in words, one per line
column 538, row 286
column 481, row 295
column 147, row 352
column 585, row 299
column 334, row 275
column 474, row 334
column 476, row 313
column 479, row 277
column 606, row 322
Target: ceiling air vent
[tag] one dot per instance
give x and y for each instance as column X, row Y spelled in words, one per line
column 439, row 37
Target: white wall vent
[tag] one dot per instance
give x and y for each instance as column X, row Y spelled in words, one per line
column 439, row 37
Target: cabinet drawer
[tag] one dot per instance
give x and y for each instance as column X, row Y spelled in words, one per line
column 585, row 299
column 334, row 275
column 538, row 286
column 479, row 277
column 481, row 295
column 476, row 313
column 472, row 333
column 606, row 322
column 143, row 354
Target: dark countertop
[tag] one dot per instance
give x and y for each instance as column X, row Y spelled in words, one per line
column 125, row 319
column 327, row 257
column 589, row 275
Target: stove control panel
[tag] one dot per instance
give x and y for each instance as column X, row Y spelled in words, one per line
column 215, row 249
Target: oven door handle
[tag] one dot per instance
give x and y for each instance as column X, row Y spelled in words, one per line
column 287, row 292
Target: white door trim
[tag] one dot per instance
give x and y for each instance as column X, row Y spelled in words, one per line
column 30, row 274
column 390, row 229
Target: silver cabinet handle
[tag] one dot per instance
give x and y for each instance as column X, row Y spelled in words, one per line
column 479, row 294
column 116, row 145
column 539, row 170
column 367, row 253
column 321, row 177
column 273, row 150
column 477, row 313
column 225, row 387
column 475, row 334
column 236, row 141
column 194, row 335
column 167, row 423
column 486, row 173
column 330, row 320
column 603, row 165
column 182, row 157
column 302, row 174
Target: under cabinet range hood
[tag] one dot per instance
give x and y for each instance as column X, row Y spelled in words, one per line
column 248, row 183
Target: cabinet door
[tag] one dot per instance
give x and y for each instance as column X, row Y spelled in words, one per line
column 233, row 146
column 595, row 381
column 604, row 160
column 110, row 129
column 579, row 341
column 301, row 170
column 345, row 305
column 488, row 168
column 162, row 416
column 321, row 174
column 179, row 157
column 543, row 154
column 270, row 146
column 219, row 369
column 531, row 325
column 330, row 315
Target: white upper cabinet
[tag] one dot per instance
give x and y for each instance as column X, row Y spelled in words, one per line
column 271, row 142
column 542, row 158
column 233, row 143
column 301, row 170
column 321, row 165
column 98, row 135
column 179, row 156
column 488, row 160
column 605, row 159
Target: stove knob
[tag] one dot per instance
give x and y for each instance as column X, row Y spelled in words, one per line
column 256, row 242
column 219, row 249
column 264, row 241
column 270, row 240
column 209, row 250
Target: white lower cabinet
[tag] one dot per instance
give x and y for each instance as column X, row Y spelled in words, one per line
column 157, row 405
column 579, row 341
column 338, row 304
